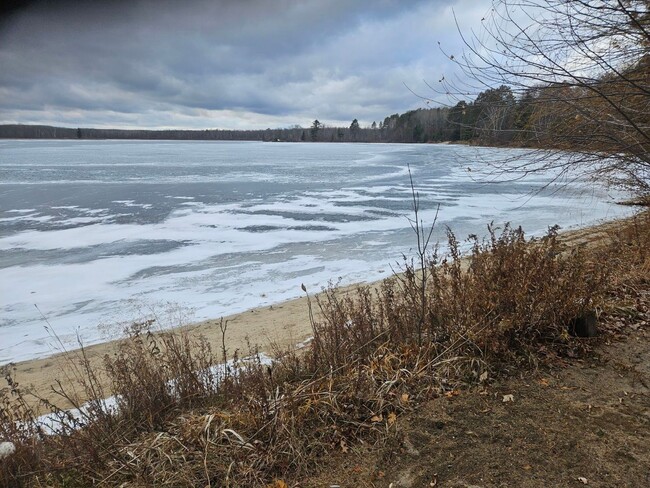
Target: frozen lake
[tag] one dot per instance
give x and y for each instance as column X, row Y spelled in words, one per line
column 93, row 233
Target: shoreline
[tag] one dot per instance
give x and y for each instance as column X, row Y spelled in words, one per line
column 282, row 325
column 285, row 324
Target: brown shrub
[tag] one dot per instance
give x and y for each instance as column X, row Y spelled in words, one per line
column 515, row 296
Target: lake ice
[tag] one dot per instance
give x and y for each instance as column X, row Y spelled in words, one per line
column 94, row 233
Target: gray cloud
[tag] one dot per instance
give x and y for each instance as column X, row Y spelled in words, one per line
column 227, row 64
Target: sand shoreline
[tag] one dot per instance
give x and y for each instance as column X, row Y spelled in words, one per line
column 284, row 324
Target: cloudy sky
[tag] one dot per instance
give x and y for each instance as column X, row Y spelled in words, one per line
column 223, row 63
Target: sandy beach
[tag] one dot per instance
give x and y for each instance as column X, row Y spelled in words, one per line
column 285, row 324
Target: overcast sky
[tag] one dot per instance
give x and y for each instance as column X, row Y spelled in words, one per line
column 223, row 63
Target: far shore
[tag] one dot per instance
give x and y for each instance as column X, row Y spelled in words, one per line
column 284, row 325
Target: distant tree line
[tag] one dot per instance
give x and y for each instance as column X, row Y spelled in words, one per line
column 422, row 125
column 414, row 126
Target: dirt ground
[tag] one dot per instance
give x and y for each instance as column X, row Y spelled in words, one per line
column 581, row 422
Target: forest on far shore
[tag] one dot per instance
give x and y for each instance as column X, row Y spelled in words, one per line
column 495, row 117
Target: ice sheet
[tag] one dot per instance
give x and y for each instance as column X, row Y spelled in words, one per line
column 221, row 228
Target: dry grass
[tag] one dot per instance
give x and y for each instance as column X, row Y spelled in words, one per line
column 438, row 325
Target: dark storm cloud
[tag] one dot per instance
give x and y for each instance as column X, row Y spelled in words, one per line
column 219, row 63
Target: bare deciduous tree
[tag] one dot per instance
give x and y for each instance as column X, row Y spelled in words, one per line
column 580, row 70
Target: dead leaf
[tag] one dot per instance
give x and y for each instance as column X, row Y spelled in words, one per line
column 392, row 417
column 543, row 382
column 483, row 377
column 376, row 418
column 344, row 447
column 405, row 397
column 508, row 398
column 528, row 467
column 452, row 393
column 582, row 480
column 278, row 484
